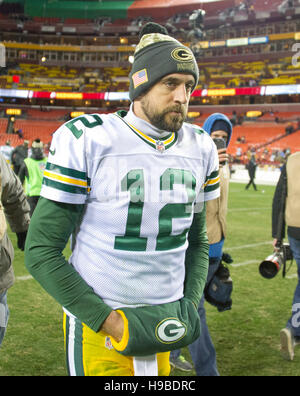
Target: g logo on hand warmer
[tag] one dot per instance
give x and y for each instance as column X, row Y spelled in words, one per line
column 170, row 330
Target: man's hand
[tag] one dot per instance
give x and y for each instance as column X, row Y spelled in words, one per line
column 275, row 245
column 114, row 325
column 223, row 156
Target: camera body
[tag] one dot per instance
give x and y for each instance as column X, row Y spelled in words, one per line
column 221, row 144
column 270, row 267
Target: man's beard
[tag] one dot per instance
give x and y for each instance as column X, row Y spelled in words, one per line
column 164, row 120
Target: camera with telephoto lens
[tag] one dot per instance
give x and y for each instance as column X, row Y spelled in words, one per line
column 270, row 267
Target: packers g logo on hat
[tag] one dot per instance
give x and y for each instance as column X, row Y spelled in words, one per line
column 170, row 330
column 182, row 55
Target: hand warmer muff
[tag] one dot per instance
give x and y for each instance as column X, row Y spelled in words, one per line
column 158, row 328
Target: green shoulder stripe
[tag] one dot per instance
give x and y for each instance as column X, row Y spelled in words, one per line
column 210, row 188
column 198, row 130
column 213, row 175
column 66, row 171
column 212, row 182
column 64, row 187
column 66, row 179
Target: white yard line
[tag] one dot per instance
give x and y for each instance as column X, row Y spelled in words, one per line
column 292, row 276
column 248, row 246
column 24, row 278
column 253, row 245
column 248, row 209
column 245, row 263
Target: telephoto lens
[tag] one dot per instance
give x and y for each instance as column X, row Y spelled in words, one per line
column 270, row 267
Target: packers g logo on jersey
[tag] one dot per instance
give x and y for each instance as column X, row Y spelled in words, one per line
column 182, row 55
column 170, row 330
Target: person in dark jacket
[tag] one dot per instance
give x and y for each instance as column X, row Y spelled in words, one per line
column 286, row 198
column 251, row 171
column 18, row 155
column 15, row 209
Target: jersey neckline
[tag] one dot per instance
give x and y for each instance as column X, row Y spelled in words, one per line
column 160, row 145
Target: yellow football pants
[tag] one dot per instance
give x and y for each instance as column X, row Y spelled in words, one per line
column 92, row 354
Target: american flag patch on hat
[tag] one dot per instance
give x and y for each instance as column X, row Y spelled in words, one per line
column 140, row 77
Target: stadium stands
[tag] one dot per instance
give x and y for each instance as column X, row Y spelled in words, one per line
column 260, row 135
column 213, row 75
column 266, row 5
column 245, row 73
column 73, row 54
column 264, row 139
column 32, row 129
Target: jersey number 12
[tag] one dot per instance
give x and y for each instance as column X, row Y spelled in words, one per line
column 134, row 183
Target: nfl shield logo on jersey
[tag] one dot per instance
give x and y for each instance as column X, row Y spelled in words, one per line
column 108, row 343
column 160, row 146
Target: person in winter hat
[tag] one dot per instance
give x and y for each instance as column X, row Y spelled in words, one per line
column 31, row 171
column 127, row 186
column 156, row 55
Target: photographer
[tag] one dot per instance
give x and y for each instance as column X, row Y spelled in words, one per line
column 286, row 198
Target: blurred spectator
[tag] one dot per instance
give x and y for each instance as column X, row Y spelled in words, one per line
column 252, row 83
column 31, row 171
column 233, row 119
column 6, row 151
column 251, row 167
column 18, row 155
column 15, row 209
column 20, row 133
column 273, row 156
column 289, row 129
column 238, row 154
column 241, row 139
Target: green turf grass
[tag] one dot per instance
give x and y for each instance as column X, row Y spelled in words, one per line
column 246, row 338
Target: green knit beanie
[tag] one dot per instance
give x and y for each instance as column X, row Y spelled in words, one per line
column 156, row 56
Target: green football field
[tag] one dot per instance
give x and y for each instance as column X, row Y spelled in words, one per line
column 246, row 338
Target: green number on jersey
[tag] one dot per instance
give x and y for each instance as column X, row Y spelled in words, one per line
column 165, row 240
column 134, row 183
column 78, row 132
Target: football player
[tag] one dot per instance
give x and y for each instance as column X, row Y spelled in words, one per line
column 130, row 188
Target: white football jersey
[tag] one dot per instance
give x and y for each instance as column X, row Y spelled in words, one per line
column 140, row 195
